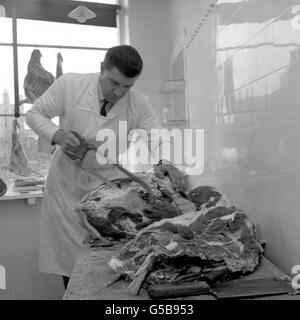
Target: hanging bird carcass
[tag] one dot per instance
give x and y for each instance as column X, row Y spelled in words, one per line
column 37, row 79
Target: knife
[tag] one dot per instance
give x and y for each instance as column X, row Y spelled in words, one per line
column 86, row 158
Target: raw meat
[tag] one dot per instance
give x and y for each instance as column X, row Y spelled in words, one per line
column 207, row 196
column 18, row 162
column 59, row 66
column 178, row 238
column 3, row 188
column 29, row 182
column 190, row 246
column 123, row 208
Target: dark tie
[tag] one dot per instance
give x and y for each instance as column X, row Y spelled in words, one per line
column 103, row 111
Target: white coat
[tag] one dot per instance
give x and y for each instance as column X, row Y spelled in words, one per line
column 75, row 99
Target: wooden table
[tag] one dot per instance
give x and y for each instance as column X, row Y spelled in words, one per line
column 92, row 273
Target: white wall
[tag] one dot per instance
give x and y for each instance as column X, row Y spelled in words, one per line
column 148, row 32
column 243, row 67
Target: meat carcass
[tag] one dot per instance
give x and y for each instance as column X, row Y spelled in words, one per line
column 178, row 237
column 122, row 209
column 194, row 244
column 18, row 162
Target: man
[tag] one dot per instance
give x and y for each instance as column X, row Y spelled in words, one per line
column 85, row 103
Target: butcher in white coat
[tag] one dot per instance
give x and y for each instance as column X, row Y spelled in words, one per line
column 85, row 103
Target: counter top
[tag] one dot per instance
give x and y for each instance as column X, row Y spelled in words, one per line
column 92, row 274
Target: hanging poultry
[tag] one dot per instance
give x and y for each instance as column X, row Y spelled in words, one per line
column 37, row 80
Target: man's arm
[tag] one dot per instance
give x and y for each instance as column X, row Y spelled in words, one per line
column 46, row 107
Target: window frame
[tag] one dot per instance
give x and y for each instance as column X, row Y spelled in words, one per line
column 52, row 11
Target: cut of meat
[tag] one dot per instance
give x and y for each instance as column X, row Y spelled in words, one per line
column 3, row 188
column 177, row 238
column 210, row 239
column 29, row 182
column 18, row 162
column 207, row 196
column 121, row 210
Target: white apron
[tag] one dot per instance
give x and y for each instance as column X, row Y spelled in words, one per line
column 61, row 234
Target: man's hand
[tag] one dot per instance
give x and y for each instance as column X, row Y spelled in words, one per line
column 68, row 142
column 177, row 178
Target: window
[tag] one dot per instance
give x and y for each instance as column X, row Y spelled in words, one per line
column 82, row 47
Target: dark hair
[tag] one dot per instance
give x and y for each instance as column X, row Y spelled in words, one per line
column 125, row 58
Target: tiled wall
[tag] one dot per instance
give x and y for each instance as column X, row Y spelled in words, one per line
column 243, row 82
